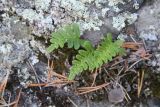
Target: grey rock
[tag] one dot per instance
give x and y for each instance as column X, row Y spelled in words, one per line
column 154, row 102
column 149, row 35
column 132, row 6
column 147, row 27
column 116, row 95
column 14, row 45
column 149, row 18
column 44, row 16
column 19, row 29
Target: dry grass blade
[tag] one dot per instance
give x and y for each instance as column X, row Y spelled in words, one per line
column 2, row 101
column 131, row 45
column 6, row 105
column 127, row 97
column 49, row 75
column 13, row 104
column 4, row 83
column 90, row 88
column 60, row 79
column 142, row 53
column 37, row 85
column 133, row 65
column 2, row 88
column 140, row 82
column 17, row 99
column 94, row 77
column 34, row 71
column 50, row 83
column 84, row 90
column 72, row 102
column 58, row 82
column 58, row 75
column 52, row 73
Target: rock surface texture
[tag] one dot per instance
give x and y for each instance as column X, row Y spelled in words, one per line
column 147, row 27
column 22, row 20
column 26, row 26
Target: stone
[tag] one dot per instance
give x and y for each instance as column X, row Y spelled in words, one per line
column 116, row 95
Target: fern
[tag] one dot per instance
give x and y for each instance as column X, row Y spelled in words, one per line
column 88, row 57
column 95, row 58
column 69, row 34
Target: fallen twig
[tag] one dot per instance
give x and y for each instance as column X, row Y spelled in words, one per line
column 35, row 73
column 133, row 65
column 131, row 45
column 84, row 90
column 72, row 102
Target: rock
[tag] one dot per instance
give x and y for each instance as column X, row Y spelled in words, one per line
column 149, row 19
column 19, row 29
column 149, row 35
column 154, row 102
column 120, row 21
column 116, row 95
column 147, row 27
column 42, row 5
column 132, row 5
column 14, row 44
column 45, row 17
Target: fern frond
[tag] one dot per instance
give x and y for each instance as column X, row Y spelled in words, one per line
column 88, row 57
column 91, row 59
column 69, row 34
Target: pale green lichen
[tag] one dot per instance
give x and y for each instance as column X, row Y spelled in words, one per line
column 90, row 24
column 34, row 59
column 119, row 21
column 30, row 15
column 42, row 4
column 83, row 16
column 75, row 6
column 114, row 3
column 99, row 2
column 5, row 48
column 122, row 36
column 87, row 1
column 43, row 23
column 136, row 5
column 104, row 11
column 151, row 35
column 87, row 18
column 89, row 14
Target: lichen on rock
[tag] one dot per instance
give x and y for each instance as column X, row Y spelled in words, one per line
column 82, row 14
column 119, row 21
column 114, row 3
column 29, row 14
column 42, row 4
